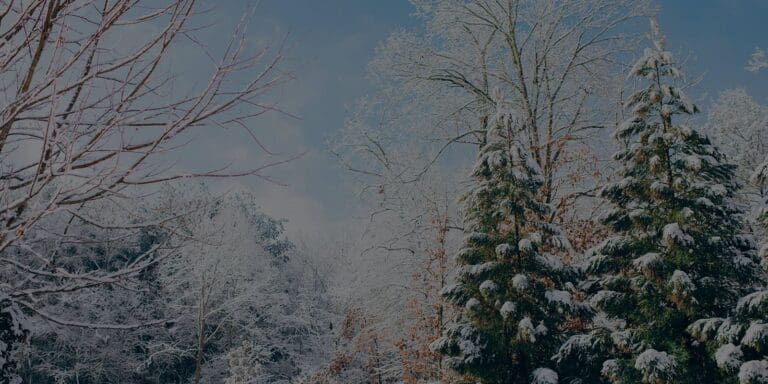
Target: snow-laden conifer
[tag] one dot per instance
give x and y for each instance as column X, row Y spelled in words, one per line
column 738, row 343
column 512, row 295
column 678, row 255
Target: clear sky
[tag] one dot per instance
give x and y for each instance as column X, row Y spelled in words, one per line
column 331, row 41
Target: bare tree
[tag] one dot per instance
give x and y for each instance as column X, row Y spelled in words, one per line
column 554, row 62
column 228, row 277
column 93, row 111
column 739, row 126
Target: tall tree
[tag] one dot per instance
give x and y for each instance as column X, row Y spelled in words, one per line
column 511, row 297
column 88, row 117
column 739, row 126
column 738, row 344
column 678, row 255
column 554, row 60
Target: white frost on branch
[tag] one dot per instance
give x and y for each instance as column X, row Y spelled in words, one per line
column 544, row 376
column 729, row 357
column 656, row 367
column 758, row 60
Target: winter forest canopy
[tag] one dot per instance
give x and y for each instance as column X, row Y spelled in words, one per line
column 413, row 192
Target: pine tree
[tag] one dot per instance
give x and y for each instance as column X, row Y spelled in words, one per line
column 511, row 295
column 760, row 178
column 739, row 343
column 14, row 333
column 678, row 255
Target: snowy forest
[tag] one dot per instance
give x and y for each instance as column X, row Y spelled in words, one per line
column 532, row 192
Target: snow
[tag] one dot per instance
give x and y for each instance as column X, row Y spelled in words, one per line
column 685, row 102
column 507, row 309
column 625, row 127
column 742, row 261
column 755, row 371
column 659, row 187
column 647, row 60
column 718, row 190
column 613, row 244
column 605, row 297
column 645, row 261
column 503, row 250
column 728, row 357
column 467, row 253
column 681, row 283
column 625, row 182
column 656, row 366
column 756, row 336
column 487, row 287
column 520, row 282
column 541, row 329
column 550, row 261
column 478, row 269
column 705, row 202
column 758, row 60
column 526, row 330
column 672, row 234
column 693, row 162
column 610, row 369
column 476, row 238
column 704, row 329
column 472, row 304
column 622, row 339
column 760, row 173
column 729, row 331
column 654, row 162
column 559, row 297
column 525, row 245
column 544, row 376
column 573, row 347
column 754, row 304
column 452, row 290
column 463, row 337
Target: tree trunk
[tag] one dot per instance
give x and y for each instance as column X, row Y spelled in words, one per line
column 200, row 334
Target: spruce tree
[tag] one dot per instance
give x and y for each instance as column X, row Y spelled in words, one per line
column 739, row 343
column 678, row 255
column 511, row 293
column 760, row 177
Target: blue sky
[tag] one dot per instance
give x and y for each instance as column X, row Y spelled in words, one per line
column 331, row 41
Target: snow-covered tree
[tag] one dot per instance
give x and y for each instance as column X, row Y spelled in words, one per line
column 759, row 177
column 14, row 331
column 94, row 112
column 427, row 310
column 511, row 295
column 758, row 60
column 231, row 276
column 738, row 343
column 678, row 255
column 555, row 61
column 237, row 282
column 739, row 126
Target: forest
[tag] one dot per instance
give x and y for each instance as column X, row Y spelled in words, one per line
column 539, row 193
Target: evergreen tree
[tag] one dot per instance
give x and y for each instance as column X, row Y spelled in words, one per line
column 760, row 178
column 14, row 333
column 739, row 343
column 512, row 293
column 678, row 255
